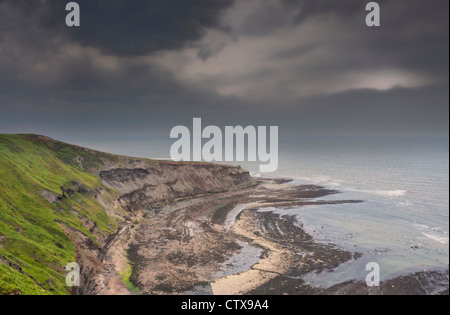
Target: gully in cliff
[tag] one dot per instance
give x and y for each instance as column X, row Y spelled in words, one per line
column 212, row 150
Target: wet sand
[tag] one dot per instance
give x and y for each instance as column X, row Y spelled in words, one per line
column 222, row 244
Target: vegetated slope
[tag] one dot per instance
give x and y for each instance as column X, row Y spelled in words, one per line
column 34, row 249
column 61, row 203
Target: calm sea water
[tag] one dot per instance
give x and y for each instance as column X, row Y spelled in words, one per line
column 403, row 223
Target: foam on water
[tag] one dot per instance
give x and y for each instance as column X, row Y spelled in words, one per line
column 438, row 238
column 387, row 193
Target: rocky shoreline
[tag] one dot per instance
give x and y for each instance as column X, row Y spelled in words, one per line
column 184, row 247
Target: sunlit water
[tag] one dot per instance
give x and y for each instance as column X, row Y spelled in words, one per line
column 403, row 223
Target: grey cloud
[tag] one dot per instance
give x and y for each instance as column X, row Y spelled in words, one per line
column 136, row 27
column 277, row 14
column 102, row 78
column 411, row 32
column 310, row 8
column 125, row 27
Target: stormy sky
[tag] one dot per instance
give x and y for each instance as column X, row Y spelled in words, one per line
column 138, row 67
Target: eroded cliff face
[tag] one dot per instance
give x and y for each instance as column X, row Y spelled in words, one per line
column 143, row 186
column 62, row 203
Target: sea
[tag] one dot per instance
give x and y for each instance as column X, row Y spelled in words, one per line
column 402, row 223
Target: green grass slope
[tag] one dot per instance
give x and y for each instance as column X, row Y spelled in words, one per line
column 34, row 250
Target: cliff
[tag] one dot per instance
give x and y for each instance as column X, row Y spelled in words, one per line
column 142, row 186
column 61, row 203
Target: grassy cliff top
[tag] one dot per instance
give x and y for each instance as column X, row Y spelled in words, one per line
column 79, row 157
column 34, row 249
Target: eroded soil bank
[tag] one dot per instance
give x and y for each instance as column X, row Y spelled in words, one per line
column 222, row 244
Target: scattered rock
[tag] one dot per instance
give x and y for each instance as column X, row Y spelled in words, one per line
column 49, row 196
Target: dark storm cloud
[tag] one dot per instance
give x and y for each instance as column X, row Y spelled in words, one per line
column 129, row 27
column 36, row 52
column 308, row 66
column 146, row 26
